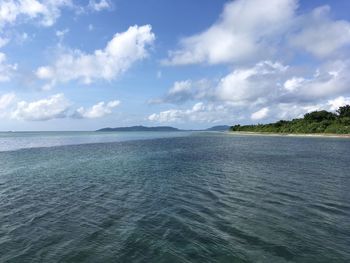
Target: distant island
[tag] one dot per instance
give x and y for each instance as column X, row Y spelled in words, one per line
column 219, row 128
column 314, row 122
column 140, row 128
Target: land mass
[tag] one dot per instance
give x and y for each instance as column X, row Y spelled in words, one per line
column 219, row 128
column 317, row 122
column 160, row 128
column 140, row 128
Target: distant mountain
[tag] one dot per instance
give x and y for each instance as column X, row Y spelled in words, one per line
column 219, row 128
column 140, row 128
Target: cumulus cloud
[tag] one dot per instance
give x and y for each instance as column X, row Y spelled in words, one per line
column 54, row 107
column 245, row 29
column 297, row 110
column 293, row 83
column 331, row 79
column 320, row 35
column 181, row 91
column 256, row 86
column 186, row 90
column 118, row 56
column 99, row 5
column 244, row 85
column 247, row 85
column 210, row 112
column 287, row 111
column 260, row 114
column 334, row 104
column 98, row 110
column 180, row 87
column 265, row 91
column 45, row 11
column 257, row 29
column 199, row 112
column 267, row 82
column 6, row 70
column 7, row 101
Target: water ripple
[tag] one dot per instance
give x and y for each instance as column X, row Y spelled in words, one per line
column 201, row 198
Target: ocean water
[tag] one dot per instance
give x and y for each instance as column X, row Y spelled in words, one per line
column 188, row 197
column 20, row 140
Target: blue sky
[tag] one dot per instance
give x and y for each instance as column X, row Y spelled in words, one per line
column 83, row 65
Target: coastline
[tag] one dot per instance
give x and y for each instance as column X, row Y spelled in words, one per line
column 315, row 135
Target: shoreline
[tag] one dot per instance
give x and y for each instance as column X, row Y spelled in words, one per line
column 314, row 135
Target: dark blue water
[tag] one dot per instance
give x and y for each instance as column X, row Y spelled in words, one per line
column 199, row 198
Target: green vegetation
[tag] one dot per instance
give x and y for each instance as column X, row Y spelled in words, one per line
column 314, row 122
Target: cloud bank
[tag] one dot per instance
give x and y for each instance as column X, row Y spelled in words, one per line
column 53, row 107
column 118, row 56
column 267, row 90
column 255, row 39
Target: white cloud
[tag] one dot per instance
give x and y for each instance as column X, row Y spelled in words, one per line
column 118, row 56
column 200, row 112
column 186, row 90
column 6, row 100
column 266, row 83
column 245, row 29
column 320, row 35
column 180, row 87
column 99, row 110
column 260, row 114
column 334, row 104
column 61, row 33
column 288, row 111
column 222, row 112
column 250, row 84
column 257, row 29
column 6, row 70
column 100, row 5
column 293, row 84
column 45, row 11
column 3, row 41
column 90, row 27
column 53, row 107
column 331, row 79
column 266, row 91
column 297, row 110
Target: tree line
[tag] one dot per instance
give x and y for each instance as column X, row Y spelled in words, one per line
column 314, row 122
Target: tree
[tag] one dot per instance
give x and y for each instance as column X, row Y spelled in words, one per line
column 318, row 116
column 344, row 111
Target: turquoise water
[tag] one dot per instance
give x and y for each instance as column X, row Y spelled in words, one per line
column 188, row 197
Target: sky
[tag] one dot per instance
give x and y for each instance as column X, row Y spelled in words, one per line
column 85, row 65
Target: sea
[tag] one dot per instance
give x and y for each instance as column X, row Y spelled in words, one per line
column 173, row 197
